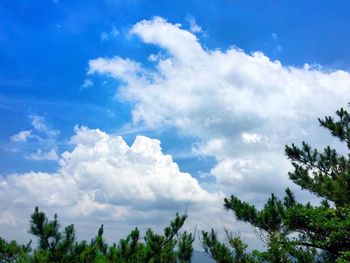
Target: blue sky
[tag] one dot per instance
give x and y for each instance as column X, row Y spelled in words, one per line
column 224, row 116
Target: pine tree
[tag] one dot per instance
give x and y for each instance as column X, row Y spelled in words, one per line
column 57, row 246
column 305, row 232
column 13, row 252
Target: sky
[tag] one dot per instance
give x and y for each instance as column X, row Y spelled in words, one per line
column 123, row 113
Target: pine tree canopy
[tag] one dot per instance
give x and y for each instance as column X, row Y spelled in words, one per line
column 57, row 246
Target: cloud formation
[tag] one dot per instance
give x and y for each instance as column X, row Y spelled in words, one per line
column 243, row 108
column 102, row 174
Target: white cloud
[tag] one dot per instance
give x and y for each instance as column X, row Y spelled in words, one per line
column 139, row 172
column 231, row 171
column 153, row 57
column 115, row 67
column 106, row 170
column 252, row 174
column 40, row 155
column 38, row 123
column 158, row 31
column 22, row 136
column 250, row 137
column 240, row 106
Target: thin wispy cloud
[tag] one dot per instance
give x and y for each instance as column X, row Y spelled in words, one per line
column 22, row 136
column 41, row 137
column 106, row 36
column 41, row 155
column 194, row 27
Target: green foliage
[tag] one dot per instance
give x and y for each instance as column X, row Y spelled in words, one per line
column 217, row 250
column 185, row 248
column 234, row 252
column 268, row 219
column 12, row 252
column 56, row 246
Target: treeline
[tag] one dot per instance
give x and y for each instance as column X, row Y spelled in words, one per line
column 57, row 246
column 292, row 231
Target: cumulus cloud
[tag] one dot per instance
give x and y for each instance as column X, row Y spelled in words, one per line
column 102, row 174
column 140, row 172
column 243, row 108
